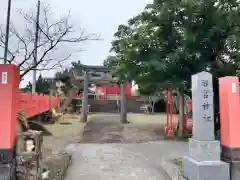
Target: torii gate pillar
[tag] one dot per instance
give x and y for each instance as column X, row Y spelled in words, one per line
column 230, row 123
column 9, row 98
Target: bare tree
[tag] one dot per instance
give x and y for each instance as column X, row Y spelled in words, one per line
column 52, row 35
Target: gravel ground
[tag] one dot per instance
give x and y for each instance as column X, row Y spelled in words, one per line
column 111, row 150
column 67, row 131
column 106, row 128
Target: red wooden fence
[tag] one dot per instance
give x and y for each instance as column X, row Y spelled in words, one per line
column 33, row 105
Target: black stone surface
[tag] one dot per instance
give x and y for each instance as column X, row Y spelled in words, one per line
column 232, row 157
column 230, row 154
column 234, row 169
column 7, row 172
column 7, row 164
column 7, row 155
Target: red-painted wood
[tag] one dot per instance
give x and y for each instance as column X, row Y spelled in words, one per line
column 9, row 98
column 33, row 105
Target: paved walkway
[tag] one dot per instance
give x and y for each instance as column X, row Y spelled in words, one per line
column 119, row 160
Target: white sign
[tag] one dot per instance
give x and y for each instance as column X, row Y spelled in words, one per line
column 4, row 77
column 234, row 88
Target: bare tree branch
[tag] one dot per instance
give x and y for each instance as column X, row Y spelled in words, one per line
column 52, row 35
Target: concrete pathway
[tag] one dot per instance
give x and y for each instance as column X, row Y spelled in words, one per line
column 119, row 160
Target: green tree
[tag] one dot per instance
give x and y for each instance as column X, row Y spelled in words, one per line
column 173, row 39
column 42, row 86
column 111, row 61
column 66, row 76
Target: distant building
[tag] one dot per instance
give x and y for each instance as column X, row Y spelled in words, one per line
column 103, row 84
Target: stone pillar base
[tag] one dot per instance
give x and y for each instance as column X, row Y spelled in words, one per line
column 232, row 157
column 7, row 164
column 205, row 170
column 204, row 150
column 7, row 172
column 234, row 169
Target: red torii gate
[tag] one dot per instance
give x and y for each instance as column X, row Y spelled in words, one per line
column 169, row 115
column 169, row 112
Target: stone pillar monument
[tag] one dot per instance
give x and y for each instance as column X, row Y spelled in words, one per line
column 203, row 162
column 84, row 111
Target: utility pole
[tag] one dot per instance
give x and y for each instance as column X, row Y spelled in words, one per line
column 7, row 31
column 35, row 49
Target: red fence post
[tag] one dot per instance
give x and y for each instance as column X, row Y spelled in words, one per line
column 167, row 111
column 170, row 130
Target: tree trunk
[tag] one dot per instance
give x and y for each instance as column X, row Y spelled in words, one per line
column 123, row 104
column 68, row 100
column 153, row 104
column 84, row 112
column 176, row 104
column 181, row 114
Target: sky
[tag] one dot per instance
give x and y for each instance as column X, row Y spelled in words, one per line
column 96, row 16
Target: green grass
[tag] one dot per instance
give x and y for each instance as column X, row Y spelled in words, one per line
column 178, row 162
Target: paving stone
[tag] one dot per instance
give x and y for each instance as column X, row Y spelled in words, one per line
column 120, row 161
column 205, row 170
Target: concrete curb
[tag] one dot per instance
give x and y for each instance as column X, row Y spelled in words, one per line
column 58, row 171
column 68, row 160
column 171, row 169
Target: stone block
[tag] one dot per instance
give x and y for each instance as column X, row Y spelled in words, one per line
column 205, row 170
column 204, row 150
column 235, row 170
column 6, row 172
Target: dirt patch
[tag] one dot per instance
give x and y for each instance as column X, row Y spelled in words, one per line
column 65, row 123
column 102, row 130
column 105, row 128
column 145, row 127
column 67, row 131
column 142, row 133
column 108, row 129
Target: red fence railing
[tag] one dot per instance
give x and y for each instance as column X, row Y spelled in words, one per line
column 33, row 105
